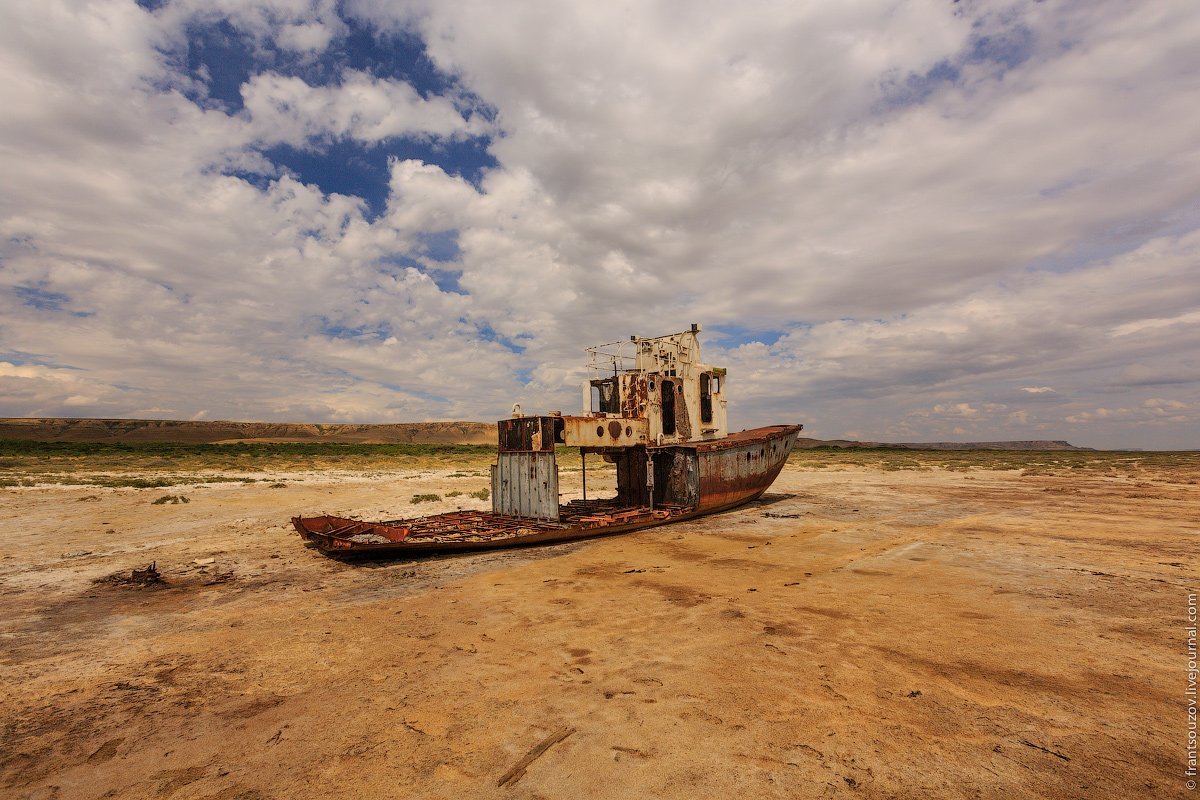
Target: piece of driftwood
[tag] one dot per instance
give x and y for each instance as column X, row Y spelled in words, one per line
column 518, row 771
column 1054, row 753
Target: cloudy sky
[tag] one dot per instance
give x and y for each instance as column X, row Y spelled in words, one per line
column 917, row 220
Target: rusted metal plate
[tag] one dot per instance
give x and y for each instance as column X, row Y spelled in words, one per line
column 631, row 476
column 337, row 533
column 523, row 434
column 635, row 397
column 676, row 476
column 604, row 431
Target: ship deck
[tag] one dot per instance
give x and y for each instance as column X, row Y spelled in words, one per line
column 479, row 529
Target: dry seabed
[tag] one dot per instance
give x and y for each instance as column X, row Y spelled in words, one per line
column 860, row 632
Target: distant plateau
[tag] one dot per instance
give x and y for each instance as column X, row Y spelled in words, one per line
column 62, row 429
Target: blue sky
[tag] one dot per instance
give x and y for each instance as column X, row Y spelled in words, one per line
column 219, row 58
column 896, row 220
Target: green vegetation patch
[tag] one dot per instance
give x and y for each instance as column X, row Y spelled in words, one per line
column 25, row 463
column 1029, row 462
column 153, row 465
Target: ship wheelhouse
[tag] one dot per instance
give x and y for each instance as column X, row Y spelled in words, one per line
column 647, row 403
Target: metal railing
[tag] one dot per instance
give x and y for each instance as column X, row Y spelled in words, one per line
column 607, row 360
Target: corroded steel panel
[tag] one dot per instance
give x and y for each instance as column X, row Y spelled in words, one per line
column 521, row 434
column 631, row 476
column 526, row 485
column 604, row 431
column 635, row 396
column 676, row 476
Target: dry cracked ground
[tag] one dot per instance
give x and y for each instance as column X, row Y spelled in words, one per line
column 867, row 629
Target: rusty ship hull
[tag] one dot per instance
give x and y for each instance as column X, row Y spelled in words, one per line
column 693, row 479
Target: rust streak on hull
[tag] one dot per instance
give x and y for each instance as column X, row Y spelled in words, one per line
column 739, row 468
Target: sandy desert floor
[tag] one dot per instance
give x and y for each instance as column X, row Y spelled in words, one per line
column 859, row 632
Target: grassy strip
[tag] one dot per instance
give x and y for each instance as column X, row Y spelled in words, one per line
column 1030, row 462
column 259, row 450
column 49, row 457
column 161, row 464
column 114, row 481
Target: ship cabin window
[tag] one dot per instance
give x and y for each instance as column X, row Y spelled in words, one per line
column 668, row 408
column 606, row 396
column 706, row 381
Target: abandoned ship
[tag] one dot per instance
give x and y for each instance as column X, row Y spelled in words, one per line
column 651, row 408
